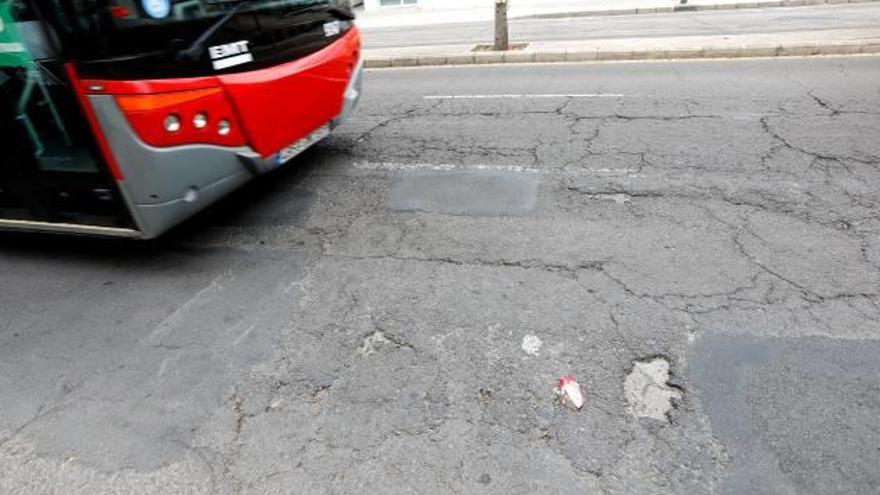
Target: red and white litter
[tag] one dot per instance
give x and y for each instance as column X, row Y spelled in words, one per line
column 569, row 393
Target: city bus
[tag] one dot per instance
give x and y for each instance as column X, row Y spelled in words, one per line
column 126, row 117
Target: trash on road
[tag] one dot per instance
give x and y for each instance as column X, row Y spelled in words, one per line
column 531, row 345
column 569, row 392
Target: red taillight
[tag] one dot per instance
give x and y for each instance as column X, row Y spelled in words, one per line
column 120, row 12
column 200, row 116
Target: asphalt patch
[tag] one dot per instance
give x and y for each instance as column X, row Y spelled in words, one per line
column 799, row 415
column 466, row 193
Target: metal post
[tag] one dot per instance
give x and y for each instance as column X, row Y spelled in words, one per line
column 502, row 39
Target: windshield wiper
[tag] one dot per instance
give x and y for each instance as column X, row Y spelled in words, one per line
column 195, row 50
column 338, row 12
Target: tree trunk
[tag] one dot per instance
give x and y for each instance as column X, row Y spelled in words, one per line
column 502, row 39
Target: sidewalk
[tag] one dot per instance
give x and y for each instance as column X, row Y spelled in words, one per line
column 417, row 16
column 831, row 42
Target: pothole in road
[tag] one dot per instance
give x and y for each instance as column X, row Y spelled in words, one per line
column 372, row 342
column 619, row 198
column 375, row 341
column 647, row 390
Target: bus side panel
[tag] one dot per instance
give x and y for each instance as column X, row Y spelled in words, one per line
column 168, row 185
column 283, row 104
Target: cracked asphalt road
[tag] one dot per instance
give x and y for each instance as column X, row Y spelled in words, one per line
column 354, row 323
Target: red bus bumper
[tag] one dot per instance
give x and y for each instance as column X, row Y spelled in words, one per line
column 278, row 112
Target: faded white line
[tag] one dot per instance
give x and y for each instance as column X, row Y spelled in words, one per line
column 395, row 167
column 244, row 335
column 162, row 367
column 445, row 167
column 521, row 96
column 167, row 322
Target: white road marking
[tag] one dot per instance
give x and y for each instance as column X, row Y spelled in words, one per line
column 403, row 167
column 521, row 96
column 162, row 367
column 169, row 320
column 447, row 167
column 244, row 335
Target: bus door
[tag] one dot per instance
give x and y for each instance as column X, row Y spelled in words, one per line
column 51, row 170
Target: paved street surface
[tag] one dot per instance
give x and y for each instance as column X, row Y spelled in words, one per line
column 705, row 23
column 697, row 243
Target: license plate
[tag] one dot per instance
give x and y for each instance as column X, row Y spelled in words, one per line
column 286, row 154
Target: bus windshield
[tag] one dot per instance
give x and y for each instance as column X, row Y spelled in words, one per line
column 140, row 38
column 127, row 14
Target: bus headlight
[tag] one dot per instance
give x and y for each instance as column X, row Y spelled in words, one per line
column 182, row 117
column 200, row 120
column 172, row 123
column 224, row 127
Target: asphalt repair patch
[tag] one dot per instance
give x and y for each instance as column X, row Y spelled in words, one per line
column 467, row 193
column 799, row 415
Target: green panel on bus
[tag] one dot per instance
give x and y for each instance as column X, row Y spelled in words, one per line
column 12, row 50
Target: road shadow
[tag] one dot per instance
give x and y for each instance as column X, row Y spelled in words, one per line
column 277, row 198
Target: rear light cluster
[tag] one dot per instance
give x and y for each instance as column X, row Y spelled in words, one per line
column 200, row 116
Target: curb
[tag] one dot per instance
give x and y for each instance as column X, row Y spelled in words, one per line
column 791, row 50
column 692, row 8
